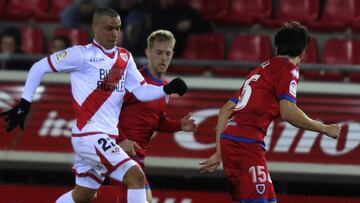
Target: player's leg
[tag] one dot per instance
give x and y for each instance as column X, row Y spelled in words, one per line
column 101, row 155
column 87, row 180
column 134, row 179
column 148, row 191
column 78, row 195
column 121, row 189
column 116, row 164
column 83, row 194
column 140, row 159
column 246, row 171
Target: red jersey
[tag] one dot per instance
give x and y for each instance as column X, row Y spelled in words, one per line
column 257, row 101
column 139, row 120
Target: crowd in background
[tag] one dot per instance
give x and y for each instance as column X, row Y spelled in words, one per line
column 139, row 18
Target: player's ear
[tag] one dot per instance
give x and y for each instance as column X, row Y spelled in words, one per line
column 93, row 26
column 147, row 52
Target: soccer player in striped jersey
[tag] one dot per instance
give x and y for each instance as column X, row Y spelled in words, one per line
column 100, row 74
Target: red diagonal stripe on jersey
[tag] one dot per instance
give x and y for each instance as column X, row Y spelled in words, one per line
column 109, row 167
column 97, row 98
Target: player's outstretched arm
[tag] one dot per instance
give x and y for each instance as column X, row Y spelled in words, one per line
column 17, row 115
column 167, row 124
column 296, row 117
column 148, row 92
column 214, row 161
column 211, row 164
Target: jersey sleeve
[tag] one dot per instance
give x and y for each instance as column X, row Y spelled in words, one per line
column 133, row 79
column 286, row 83
column 236, row 96
column 66, row 60
column 168, row 125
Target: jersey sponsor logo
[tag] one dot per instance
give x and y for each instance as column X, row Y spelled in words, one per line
column 292, row 88
column 60, row 55
column 108, row 80
column 95, row 60
column 124, row 56
column 260, row 188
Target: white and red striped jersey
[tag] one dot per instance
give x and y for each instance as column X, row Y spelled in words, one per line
column 98, row 81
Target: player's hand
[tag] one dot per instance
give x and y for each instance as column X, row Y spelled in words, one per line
column 188, row 124
column 129, row 147
column 17, row 115
column 333, row 130
column 211, row 164
column 177, row 85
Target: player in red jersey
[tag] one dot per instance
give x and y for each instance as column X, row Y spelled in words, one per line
column 268, row 92
column 139, row 120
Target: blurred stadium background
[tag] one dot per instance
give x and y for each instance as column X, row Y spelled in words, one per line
column 35, row 165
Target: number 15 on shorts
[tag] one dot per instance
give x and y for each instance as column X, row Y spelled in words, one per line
column 259, row 176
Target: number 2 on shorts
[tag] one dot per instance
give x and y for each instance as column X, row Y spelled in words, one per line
column 105, row 144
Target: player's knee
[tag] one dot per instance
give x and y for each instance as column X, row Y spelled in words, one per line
column 81, row 195
column 134, row 178
column 83, row 198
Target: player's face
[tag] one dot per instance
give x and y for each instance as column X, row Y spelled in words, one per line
column 107, row 31
column 159, row 56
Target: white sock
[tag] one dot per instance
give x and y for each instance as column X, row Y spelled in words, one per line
column 136, row 195
column 65, row 198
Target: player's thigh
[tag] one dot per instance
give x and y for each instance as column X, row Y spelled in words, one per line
column 246, row 171
column 102, row 154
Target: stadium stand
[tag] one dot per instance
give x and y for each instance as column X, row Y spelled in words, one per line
column 208, row 46
column 243, row 12
column 303, row 11
column 338, row 15
column 311, row 52
column 245, row 48
column 52, row 11
column 76, row 36
column 212, row 10
column 17, row 10
column 336, row 51
column 32, row 40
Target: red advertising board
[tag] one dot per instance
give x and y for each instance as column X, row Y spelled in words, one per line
column 51, row 117
column 35, row 194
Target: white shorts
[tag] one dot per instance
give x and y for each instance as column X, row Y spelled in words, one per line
column 97, row 156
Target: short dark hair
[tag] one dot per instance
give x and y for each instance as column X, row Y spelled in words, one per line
column 104, row 12
column 291, row 39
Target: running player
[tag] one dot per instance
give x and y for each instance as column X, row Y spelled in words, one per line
column 100, row 74
column 268, row 92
